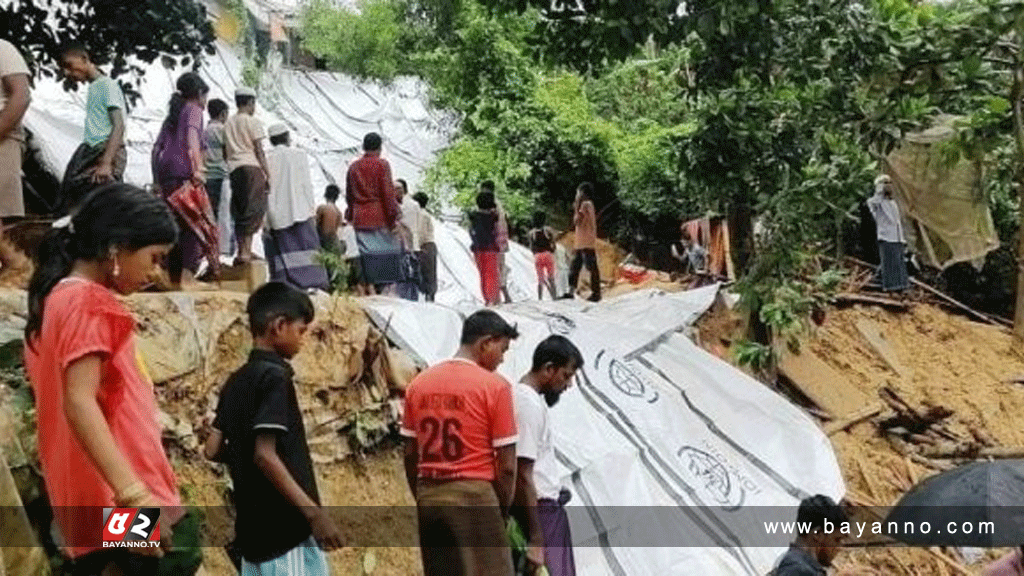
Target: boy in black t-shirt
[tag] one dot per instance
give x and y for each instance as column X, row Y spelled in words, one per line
column 258, row 432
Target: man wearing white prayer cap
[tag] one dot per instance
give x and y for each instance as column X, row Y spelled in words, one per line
column 247, row 168
column 276, row 130
column 290, row 239
column 892, row 241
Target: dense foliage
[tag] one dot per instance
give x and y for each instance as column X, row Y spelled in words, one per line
column 363, row 45
column 775, row 111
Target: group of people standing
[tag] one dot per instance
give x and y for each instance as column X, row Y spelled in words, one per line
column 193, row 164
column 489, row 235
column 479, row 450
column 385, row 235
column 269, row 190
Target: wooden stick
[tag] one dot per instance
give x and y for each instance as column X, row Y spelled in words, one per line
column 956, row 303
column 890, row 397
column 853, row 419
column 814, row 411
column 910, row 470
column 872, row 489
column 876, row 300
column 961, row 452
column 929, row 463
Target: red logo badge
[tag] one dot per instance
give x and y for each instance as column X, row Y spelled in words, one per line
column 131, row 527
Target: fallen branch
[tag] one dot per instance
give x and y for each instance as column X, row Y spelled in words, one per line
column 957, row 304
column 929, row 463
column 995, row 453
column 876, row 300
column 988, row 319
column 952, row 450
column 853, row 419
column 817, row 412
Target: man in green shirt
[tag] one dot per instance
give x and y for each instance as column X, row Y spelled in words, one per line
column 101, row 157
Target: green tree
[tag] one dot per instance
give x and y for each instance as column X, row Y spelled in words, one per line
column 126, row 35
column 974, row 65
column 363, row 43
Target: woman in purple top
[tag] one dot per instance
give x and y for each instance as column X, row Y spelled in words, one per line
column 178, row 158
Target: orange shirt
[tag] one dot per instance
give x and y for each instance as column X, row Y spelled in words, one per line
column 586, row 227
column 83, row 318
column 459, row 413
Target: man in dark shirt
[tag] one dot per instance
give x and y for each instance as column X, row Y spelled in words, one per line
column 258, row 432
column 814, row 548
column 482, row 233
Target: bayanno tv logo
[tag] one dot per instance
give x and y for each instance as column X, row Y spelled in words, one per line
column 131, row 527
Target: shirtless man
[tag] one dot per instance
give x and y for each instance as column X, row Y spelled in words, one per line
column 328, row 220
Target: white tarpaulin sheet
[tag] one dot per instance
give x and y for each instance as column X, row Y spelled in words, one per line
column 327, row 113
column 671, row 454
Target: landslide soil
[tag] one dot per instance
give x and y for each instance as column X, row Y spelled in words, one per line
column 950, row 362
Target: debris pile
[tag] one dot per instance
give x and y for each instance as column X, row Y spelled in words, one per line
column 905, row 388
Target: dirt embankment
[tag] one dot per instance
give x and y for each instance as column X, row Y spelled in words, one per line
column 347, row 390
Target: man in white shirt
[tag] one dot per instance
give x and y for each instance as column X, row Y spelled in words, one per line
column 247, row 170
column 892, row 243
column 428, row 249
column 14, row 100
column 540, row 499
column 290, row 240
column 409, row 231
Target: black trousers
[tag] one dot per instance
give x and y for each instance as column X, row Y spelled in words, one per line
column 589, row 257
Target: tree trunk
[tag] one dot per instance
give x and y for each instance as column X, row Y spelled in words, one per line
column 1016, row 93
column 740, row 218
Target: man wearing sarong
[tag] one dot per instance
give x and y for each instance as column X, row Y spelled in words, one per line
column 460, row 455
column 290, row 241
column 372, row 207
column 101, row 157
column 409, row 232
column 247, row 168
column 540, row 499
column 14, row 100
column 892, row 243
column 428, row 250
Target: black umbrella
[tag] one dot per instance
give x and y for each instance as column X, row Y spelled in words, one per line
column 979, row 504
